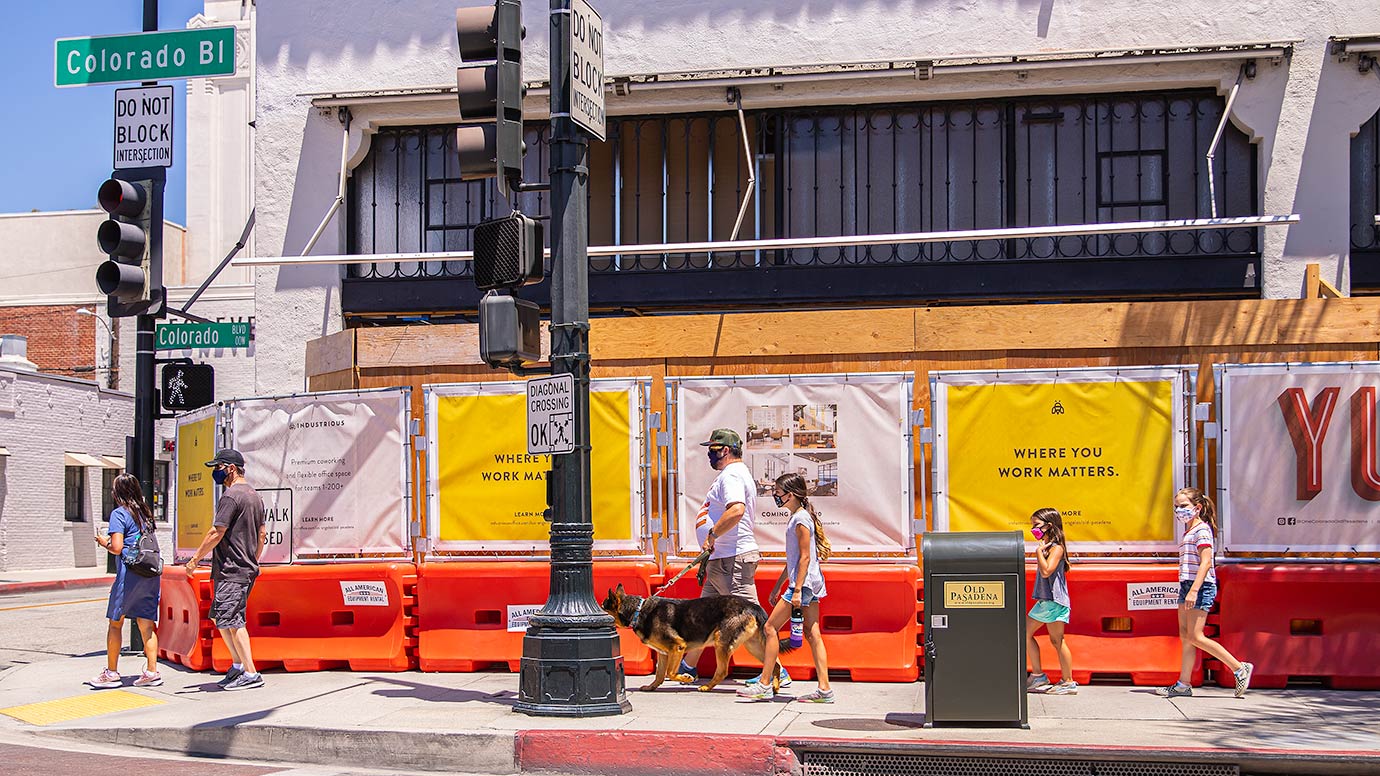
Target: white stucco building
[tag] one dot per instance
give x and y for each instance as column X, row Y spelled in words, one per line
column 862, row 118
column 54, row 486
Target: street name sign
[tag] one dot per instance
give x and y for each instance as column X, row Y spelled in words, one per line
column 144, row 127
column 551, row 414
column 185, row 336
column 587, row 68
column 144, row 56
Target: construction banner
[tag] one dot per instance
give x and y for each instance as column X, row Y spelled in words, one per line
column 1107, row 448
column 331, row 468
column 195, row 492
column 487, row 494
column 848, row 436
column 1299, row 457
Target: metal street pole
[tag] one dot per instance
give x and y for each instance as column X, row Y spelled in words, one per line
column 571, row 662
column 145, row 408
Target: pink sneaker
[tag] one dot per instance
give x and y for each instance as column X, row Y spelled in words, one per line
column 147, row 679
column 105, row 680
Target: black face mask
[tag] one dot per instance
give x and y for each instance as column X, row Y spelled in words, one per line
column 780, row 500
column 714, row 458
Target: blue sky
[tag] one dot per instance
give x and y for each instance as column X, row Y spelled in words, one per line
column 58, row 141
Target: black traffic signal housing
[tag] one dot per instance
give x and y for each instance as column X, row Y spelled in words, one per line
column 132, row 275
column 187, row 386
column 509, row 331
column 489, row 89
column 508, row 252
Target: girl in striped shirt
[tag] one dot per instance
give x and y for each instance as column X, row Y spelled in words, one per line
column 1197, row 515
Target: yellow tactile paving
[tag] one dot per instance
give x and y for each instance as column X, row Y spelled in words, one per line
column 92, row 704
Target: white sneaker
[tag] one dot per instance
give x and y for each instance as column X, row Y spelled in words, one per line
column 106, row 680
column 147, row 679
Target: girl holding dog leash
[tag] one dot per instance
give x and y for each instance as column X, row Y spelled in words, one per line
column 801, row 585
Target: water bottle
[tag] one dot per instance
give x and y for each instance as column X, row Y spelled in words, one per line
column 797, row 627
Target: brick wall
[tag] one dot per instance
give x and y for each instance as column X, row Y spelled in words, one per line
column 60, row 341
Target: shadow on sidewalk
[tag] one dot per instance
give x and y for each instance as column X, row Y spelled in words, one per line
column 438, row 694
column 892, row 722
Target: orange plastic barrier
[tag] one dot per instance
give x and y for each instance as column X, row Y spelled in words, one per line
column 1301, row 622
column 309, row 618
column 1109, row 639
column 868, row 620
column 184, row 632
column 462, row 616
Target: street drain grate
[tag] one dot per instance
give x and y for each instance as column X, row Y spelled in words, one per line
column 883, row 764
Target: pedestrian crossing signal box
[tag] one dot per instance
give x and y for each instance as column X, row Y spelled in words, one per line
column 187, row 386
column 974, row 629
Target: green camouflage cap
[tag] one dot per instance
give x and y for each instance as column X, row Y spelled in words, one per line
column 724, row 436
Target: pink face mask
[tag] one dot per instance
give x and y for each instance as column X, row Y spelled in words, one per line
column 1037, row 533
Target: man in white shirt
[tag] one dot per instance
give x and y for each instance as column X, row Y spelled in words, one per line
column 731, row 509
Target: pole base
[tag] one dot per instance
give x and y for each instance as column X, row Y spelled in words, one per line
column 571, row 672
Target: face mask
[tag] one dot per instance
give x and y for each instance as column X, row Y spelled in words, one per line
column 780, row 500
column 1184, row 514
column 1037, row 533
column 219, row 476
column 715, row 457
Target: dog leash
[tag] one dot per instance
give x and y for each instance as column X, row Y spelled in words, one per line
column 700, row 560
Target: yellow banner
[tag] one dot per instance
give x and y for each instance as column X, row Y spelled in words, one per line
column 1099, row 452
column 491, row 490
column 196, row 444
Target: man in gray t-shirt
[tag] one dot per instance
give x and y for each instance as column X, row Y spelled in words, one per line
column 234, row 543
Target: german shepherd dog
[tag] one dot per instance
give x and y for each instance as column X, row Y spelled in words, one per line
column 672, row 626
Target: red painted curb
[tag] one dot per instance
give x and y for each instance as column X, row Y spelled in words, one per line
column 14, row 588
column 640, row 752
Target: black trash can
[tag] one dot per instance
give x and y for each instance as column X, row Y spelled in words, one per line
column 974, row 628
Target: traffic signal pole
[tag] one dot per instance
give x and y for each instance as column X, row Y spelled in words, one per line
column 571, row 661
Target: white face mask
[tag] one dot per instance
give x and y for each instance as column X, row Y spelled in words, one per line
column 1184, row 514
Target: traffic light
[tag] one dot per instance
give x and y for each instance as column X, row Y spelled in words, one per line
column 509, row 331
column 132, row 276
column 489, row 88
column 508, row 252
column 188, row 386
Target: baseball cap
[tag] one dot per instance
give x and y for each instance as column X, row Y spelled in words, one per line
column 227, row 456
column 724, row 436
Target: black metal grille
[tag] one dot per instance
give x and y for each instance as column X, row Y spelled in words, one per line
column 852, row 171
column 890, row 764
column 1365, row 203
column 502, row 257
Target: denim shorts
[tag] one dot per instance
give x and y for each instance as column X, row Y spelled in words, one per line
column 807, row 596
column 1207, row 594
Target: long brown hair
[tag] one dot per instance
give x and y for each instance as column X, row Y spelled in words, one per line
column 130, row 495
column 1206, row 509
column 794, row 484
column 1054, row 530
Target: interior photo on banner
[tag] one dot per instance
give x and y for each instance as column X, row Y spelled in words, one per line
column 486, row 493
column 331, row 468
column 195, row 444
column 1299, row 457
column 1104, row 447
column 848, row 436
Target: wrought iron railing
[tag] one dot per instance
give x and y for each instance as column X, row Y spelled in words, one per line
column 847, row 171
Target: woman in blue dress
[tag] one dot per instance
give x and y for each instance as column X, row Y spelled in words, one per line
column 132, row 595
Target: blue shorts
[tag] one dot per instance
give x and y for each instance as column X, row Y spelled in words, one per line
column 806, row 595
column 1207, row 594
column 1049, row 611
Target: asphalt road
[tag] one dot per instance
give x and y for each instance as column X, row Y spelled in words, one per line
column 35, row 627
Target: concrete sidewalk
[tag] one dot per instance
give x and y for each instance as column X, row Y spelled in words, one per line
column 16, row 582
column 465, row 722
